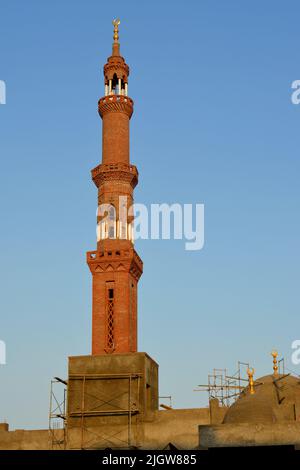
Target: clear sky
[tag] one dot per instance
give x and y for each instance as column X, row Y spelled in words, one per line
column 213, row 124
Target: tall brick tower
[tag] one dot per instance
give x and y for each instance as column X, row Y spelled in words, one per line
column 113, row 391
column 115, row 265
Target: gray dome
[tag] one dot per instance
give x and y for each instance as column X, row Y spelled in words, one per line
column 276, row 399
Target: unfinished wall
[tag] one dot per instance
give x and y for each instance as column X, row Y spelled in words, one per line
column 240, row 435
column 24, row 440
column 109, row 397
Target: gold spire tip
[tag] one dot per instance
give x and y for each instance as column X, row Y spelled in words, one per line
column 250, row 372
column 274, row 354
column 116, row 23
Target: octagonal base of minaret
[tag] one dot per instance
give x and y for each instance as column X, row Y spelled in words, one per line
column 110, row 397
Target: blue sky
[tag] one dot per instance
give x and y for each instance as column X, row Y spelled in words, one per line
column 213, row 124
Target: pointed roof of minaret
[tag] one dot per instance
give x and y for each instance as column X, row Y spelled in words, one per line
column 116, row 63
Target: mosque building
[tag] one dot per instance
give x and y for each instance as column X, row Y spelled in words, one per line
column 110, row 397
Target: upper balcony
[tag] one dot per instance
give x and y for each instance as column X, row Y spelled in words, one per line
column 113, row 171
column 115, row 103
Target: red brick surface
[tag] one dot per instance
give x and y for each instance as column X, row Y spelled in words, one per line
column 115, row 264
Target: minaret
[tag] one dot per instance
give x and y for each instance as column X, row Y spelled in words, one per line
column 113, row 391
column 115, row 265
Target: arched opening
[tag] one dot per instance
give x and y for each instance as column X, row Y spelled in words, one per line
column 114, row 85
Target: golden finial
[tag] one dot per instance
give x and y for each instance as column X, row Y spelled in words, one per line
column 116, row 23
column 274, row 354
column 250, row 372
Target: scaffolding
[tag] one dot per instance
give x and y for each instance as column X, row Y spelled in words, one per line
column 281, row 366
column 106, row 404
column 57, row 414
column 163, row 405
column 226, row 388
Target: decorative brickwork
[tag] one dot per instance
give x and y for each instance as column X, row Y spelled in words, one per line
column 115, row 104
column 110, row 337
column 115, row 172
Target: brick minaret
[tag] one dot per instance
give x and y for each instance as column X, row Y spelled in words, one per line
column 115, row 265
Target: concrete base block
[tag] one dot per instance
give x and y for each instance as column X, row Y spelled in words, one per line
column 109, row 399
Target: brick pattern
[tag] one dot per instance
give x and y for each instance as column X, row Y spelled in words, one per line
column 110, row 324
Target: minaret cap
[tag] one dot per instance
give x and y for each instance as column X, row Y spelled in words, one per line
column 116, row 45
